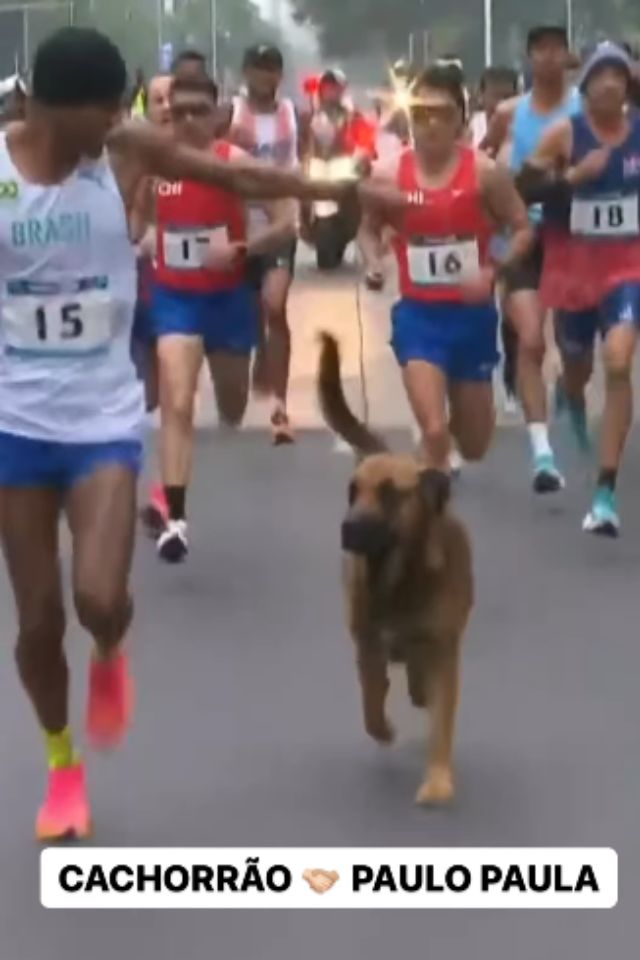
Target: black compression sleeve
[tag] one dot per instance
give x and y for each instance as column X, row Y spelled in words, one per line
column 539, row 186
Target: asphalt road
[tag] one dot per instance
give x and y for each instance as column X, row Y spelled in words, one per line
column 248, row 729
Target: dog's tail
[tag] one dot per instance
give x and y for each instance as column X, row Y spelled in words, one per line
column 334, row 405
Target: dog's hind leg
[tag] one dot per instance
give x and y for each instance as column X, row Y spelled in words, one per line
column 374, row 683
column 443, row 688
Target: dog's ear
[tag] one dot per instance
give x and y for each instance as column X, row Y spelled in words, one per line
column 435, row 489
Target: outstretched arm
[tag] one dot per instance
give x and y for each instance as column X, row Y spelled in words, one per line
column 153, row 152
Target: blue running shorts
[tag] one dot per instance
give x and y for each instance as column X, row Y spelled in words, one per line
column 459, row 338
column 226, row 320
column 25, row 462
column 577, row 332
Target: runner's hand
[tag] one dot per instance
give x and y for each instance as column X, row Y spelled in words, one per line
column 149, row 242
column 224, row 256
column 337, row 190
column 590, row 167
column 479, row 289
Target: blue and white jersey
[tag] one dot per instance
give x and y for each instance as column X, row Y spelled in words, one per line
column 67, row 298
column 608, row 207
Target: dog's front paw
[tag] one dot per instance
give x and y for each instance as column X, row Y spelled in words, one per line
column 381, row 731
column 437, row 790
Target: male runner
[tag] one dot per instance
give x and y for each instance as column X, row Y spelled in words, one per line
column 266, row 126
column 71, row 406
column 445, row 324
column 525, row 119
column 497, row 85
column 158, row 113
column 592, row 256
column 189, row 63
column 158, row 107
column 202, row 304
column 156, row 513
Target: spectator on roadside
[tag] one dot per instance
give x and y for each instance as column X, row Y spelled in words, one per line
column 138, row 102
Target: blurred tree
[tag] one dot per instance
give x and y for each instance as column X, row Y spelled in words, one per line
column 133, row 24
column 239, row 25
column 454, row 25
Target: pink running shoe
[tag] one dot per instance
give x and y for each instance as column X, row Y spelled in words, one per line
column 155, row 515
column 65, row 811
column 110, row 706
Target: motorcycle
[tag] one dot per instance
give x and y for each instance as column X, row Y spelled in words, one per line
column 332, row 226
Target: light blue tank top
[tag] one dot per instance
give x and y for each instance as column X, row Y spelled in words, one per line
column 529, row 127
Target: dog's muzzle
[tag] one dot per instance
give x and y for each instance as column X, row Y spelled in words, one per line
column 366, row 537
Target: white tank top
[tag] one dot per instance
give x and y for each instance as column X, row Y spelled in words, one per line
column 273, row 138
column 67, row 297
column 478, row 126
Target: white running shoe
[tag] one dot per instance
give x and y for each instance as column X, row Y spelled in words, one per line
column 173, row 544
column 456, row 462
column 341, row 446
column 511, row 407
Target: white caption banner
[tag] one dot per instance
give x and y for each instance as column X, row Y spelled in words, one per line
column 325, row 878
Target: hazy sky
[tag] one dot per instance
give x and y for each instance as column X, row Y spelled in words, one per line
column 300, row 35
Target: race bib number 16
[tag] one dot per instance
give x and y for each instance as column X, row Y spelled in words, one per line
column 443, row 264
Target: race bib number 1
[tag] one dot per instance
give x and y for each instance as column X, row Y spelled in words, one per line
column 58, row 325
column 443, row 264
column 613, row 217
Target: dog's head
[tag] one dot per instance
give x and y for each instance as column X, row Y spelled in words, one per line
column 393, row 503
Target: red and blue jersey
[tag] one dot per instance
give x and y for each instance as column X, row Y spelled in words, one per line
column 444, row 235
column 188, row 216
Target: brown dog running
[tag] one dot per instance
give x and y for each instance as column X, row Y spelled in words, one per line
column 408, row 581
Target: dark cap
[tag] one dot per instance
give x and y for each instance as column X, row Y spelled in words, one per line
column 546, row 32
column 264, row 56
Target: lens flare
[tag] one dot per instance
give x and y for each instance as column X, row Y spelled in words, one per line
column 398, row 97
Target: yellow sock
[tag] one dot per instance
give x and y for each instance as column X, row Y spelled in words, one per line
column 59, row 748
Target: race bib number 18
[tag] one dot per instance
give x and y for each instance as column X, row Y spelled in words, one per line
column 613, row 217
column 443, row 264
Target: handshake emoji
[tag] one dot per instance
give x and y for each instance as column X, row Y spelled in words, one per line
column 321, row 881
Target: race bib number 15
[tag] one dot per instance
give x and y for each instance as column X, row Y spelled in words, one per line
column 443, row 264
column 58, row 326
